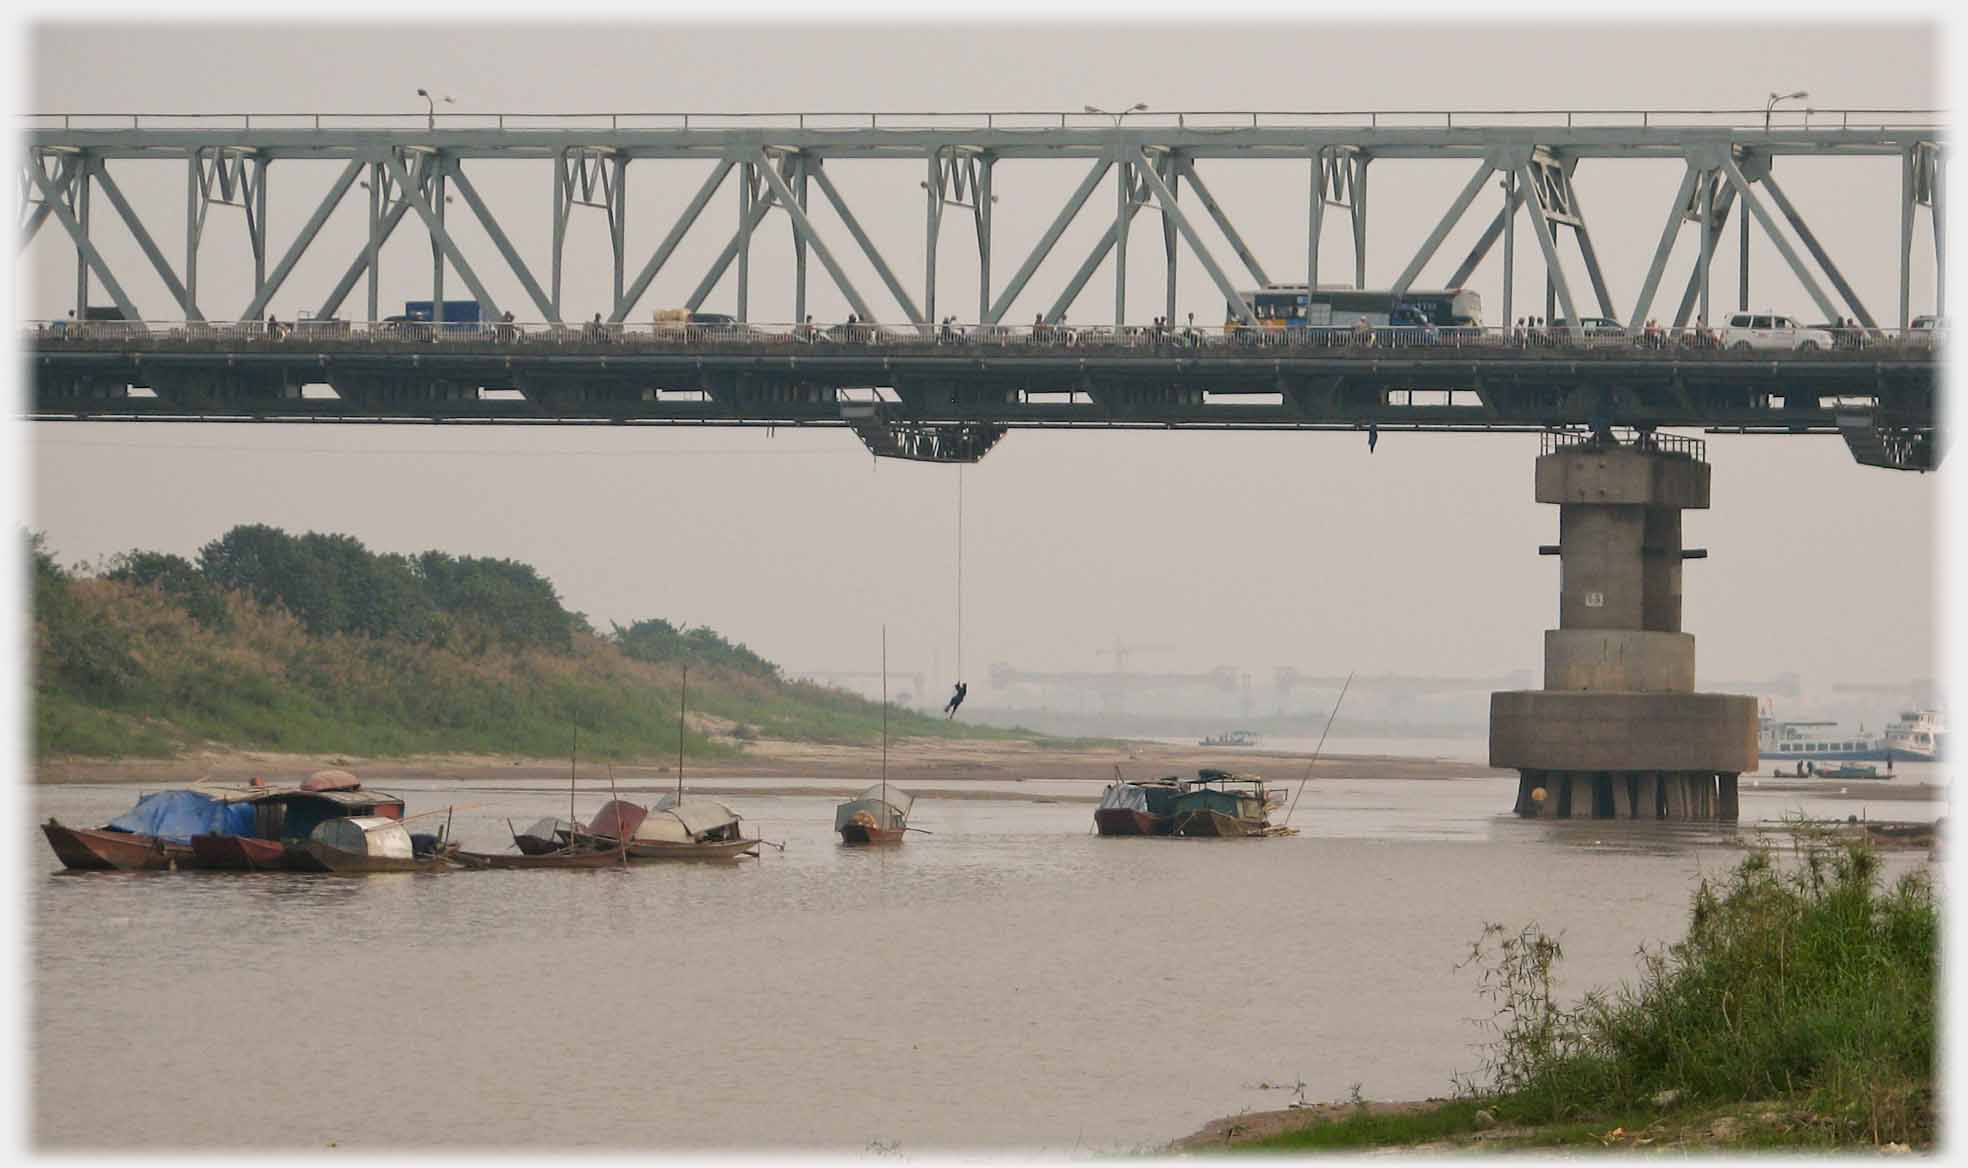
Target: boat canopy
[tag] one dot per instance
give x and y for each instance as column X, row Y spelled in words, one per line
column 888, row 812
column 1124, row 797
column 179, row 815
column 687, row 820
column 330, row 780
column 366, row 835
column 617, row 819
column 549, row 828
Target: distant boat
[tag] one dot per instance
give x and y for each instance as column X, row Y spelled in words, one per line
column 880, row 815
column 1919, row 735
column 1139, row 807
column 1815, row 742
column 1849, row 770
column 690, row 829
column 1231, row 738
column 1223, row 804
column 574, row 856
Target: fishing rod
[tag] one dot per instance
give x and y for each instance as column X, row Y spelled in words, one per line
column 1317, row 749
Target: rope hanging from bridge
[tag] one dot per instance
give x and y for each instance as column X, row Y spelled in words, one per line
column 962, row 691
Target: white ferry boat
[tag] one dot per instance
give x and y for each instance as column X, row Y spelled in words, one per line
column 1919, row 735
column 1815, row 742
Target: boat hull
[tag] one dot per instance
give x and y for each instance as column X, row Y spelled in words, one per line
column 867, row 833
column 705, row 850
column 86, row 848
column 349, row 864
column 238, row 853
column 1210, row 823
column 588, row 858
column 1127, row 821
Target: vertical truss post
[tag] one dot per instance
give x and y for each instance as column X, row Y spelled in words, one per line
column 1742, row 267
column 1509, row 244
column 618, row 222
column 562, row 198
column 194, row 225
column 1360, row 220
column 256, row 221
column 983, row 217
column 747, row 187
column 437, row 234
column 1172, row 177
column 81, row 188
column 1707, row 250
column 377, row 176
column 799, row 241
column 1315, row 217
column 933, row 220
column 1937, row 215
column 1906, row 234
column 1124, row 205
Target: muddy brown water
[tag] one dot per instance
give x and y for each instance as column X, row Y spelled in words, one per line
column 1007, row 982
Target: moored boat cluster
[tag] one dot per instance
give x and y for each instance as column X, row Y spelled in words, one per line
column 1216, row 803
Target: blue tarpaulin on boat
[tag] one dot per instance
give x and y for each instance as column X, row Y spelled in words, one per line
column 179, row 815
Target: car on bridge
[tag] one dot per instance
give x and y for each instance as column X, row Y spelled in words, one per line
column 1592, row 326
column 1767, row 330
column 1927, row 331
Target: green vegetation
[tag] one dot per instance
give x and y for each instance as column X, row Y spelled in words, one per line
column 314, row 644
column 1799, row 1011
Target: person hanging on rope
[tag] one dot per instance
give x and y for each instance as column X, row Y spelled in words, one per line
column 956, row 699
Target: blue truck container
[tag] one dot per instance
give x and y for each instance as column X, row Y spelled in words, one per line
column 456, row 312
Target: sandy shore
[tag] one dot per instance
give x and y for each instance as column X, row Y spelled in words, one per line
column 928, row 761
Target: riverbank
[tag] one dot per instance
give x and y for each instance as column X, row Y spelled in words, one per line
column 910, row 760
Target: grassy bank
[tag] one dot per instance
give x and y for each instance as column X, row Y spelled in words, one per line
column 460, row 656
column 1799, row 1011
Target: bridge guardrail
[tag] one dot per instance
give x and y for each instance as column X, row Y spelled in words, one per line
column 946, row 339
column 1780, row 120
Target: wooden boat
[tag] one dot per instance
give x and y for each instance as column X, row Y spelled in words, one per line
column 156, row 833
column 572, row 857
column 1223, row 805
column 370, row 843
column 1139, row 807
column 238, row 853
column 87, row 848
column 689, row 829
column 880, row 815
column 546, row 836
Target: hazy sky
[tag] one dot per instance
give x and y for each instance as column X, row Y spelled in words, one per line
column 1250, row 550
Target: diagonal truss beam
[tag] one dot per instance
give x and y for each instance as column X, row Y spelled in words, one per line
column 1817, row 250
column 534, row 292
column 64, row 175
column 1491, row 234
column 1718, row 207
column 285, row 267
column 1434, row 241
column 148, row 245
column 640, row 285
column 1112, row 236
column 90, row 256
column 1166, row 198
column 1677, row 213
column 818, row 171
column 414, row 195
column 1541, row 223
column 1044, row 247
column 1244, row 253
column 1755, row 206
column 748, row 220
column 1591, row 255
column 804, row 227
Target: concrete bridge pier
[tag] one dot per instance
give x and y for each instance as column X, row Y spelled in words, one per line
column 1618, row 731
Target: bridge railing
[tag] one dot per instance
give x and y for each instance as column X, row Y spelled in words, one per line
column 958, row 339
column 1781, row 120
column 1662, row 443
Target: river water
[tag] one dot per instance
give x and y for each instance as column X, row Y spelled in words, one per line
column 1008, row 982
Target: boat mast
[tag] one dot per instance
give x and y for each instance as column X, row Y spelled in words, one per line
column 884, row 763
column 683, row 702
column 571, row 757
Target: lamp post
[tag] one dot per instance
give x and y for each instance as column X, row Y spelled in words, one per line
column 431, row 103
column 1742, row 276
column 1136, row 108
column 1771, row 105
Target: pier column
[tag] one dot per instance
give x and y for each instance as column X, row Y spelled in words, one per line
column 1618, row 730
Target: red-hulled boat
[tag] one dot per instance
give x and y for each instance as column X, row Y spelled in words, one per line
column 239, row 853
column 879, row 816
column 1140, row 807
column 99, row 848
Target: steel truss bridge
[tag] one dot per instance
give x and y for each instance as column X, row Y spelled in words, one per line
column 905, row 394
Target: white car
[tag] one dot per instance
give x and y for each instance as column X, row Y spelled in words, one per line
column 1767, row 330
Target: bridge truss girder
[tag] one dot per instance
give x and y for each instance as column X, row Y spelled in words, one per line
column 412, row 172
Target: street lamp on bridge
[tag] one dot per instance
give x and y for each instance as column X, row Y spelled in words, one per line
column 1136, row 108
column 1771, row 105
column 431, row 102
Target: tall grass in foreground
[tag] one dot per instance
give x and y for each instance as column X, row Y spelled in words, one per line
column 1802, row 983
